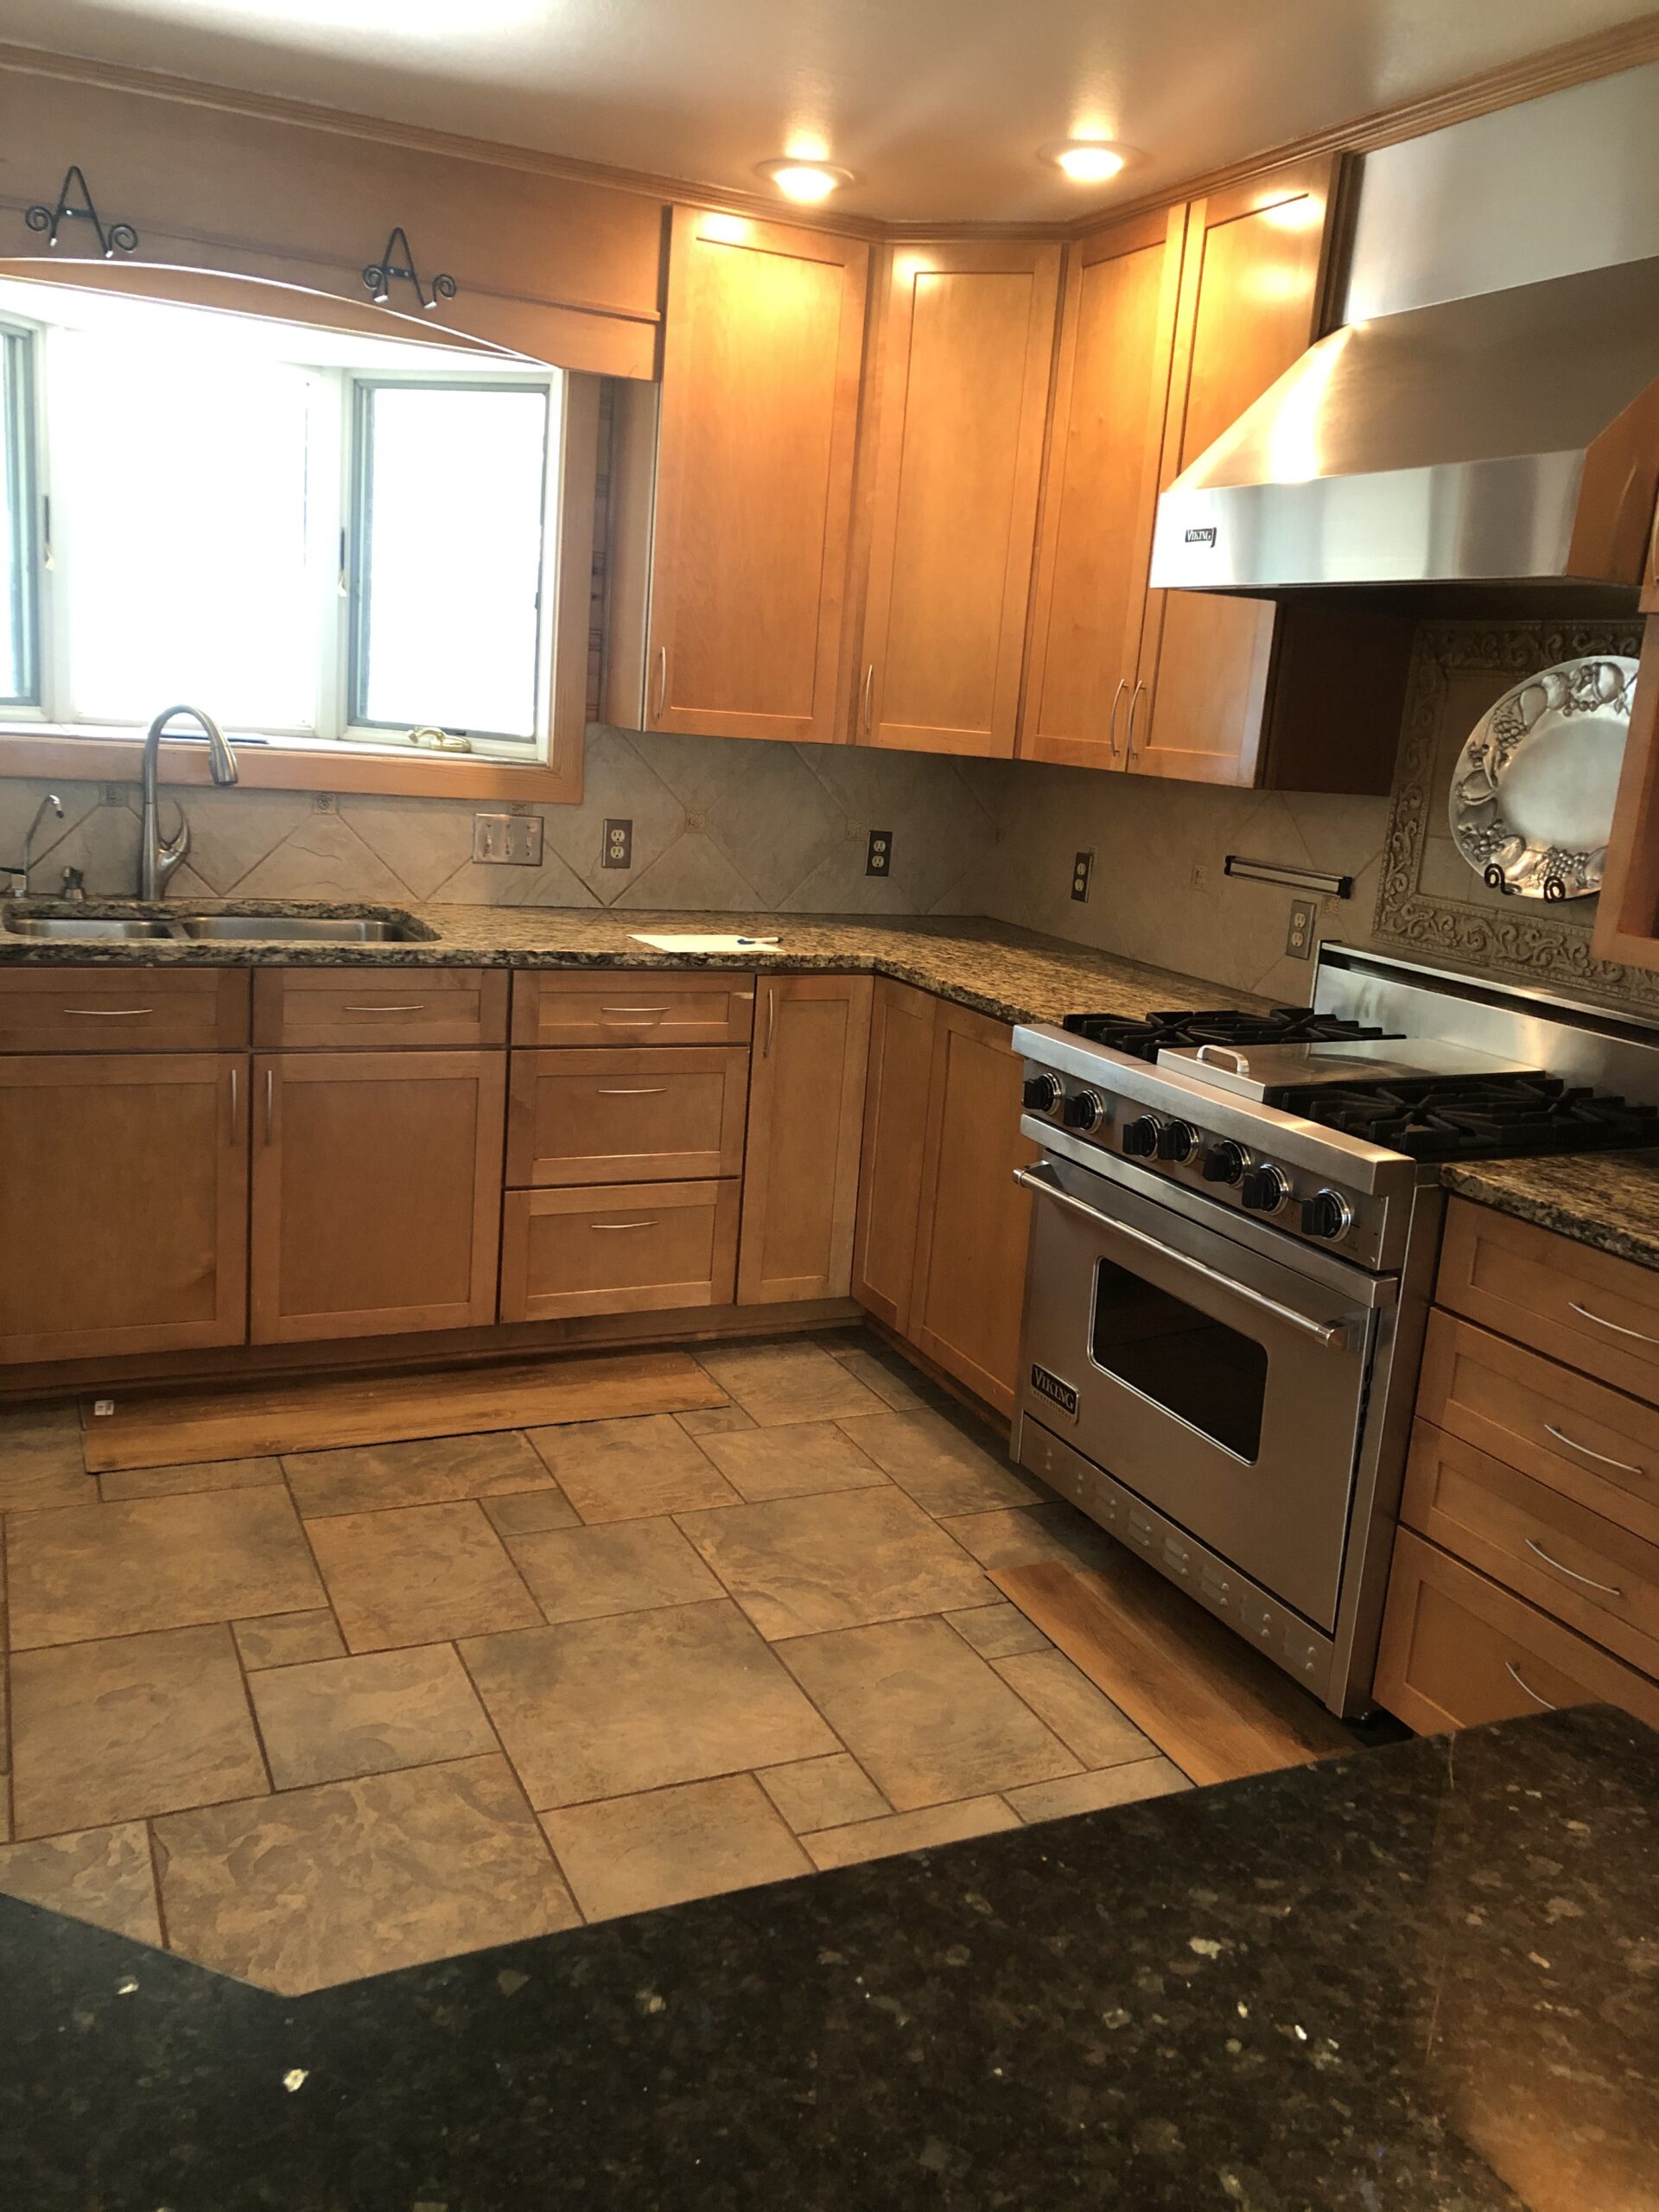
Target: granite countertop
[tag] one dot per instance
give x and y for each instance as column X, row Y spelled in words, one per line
column 1012, row 974
column 1607, row 1199
column 1421, row 1978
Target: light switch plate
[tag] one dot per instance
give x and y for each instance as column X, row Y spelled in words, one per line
column 507, row 840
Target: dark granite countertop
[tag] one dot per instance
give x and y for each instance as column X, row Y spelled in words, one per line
column 1609, row 1199
column 1422, row 1979
column 1010, row 974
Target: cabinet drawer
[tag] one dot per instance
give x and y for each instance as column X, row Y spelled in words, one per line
column 1586, row 1308
column 620, row 1005
column 626, row 1114
column 122, row 1009
column 1457, row 1651
column 376, row 1007
column 1592, row 1444
column 625, row 1248
column 1586, row 1570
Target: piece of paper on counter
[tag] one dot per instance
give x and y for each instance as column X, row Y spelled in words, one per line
column 685, row 941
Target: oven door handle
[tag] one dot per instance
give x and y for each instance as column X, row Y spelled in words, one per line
column 1333, row 1333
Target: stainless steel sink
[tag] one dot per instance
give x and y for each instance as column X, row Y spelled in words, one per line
column 93, row 927
column 307, row 929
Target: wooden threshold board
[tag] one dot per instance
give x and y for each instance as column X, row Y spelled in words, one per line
column 1219, row 1710
column 319, row 1413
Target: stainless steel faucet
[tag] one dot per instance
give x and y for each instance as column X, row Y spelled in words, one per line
column 16, row 883
column 157, row 857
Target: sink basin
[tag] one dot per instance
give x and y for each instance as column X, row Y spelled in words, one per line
column 88, row 927
column 305, row 928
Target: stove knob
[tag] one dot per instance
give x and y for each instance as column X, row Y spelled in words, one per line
column 1042, row 1093
column 1176, row 1140
column 1327, row 1213
column 1265, row 1189
column 1141, row 1136
column 1086, row 1111
column 1224, row 1162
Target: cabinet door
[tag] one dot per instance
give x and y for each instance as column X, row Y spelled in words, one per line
column 376, row 1192
column 1627, row 912
column 761, row 354
column 125, row 1191
column 1100, row 490
column 970, row 1253
column 902, row 1025
column 1254, row 284
column 966, row 345
column 806, row 1097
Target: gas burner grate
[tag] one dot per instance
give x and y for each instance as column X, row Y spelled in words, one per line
column 1457, row 1118
column 1159, row 1032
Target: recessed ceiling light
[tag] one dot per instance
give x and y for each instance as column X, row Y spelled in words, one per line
column 1088, row 161
column 804, row 180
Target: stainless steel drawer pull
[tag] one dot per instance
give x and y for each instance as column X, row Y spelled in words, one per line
column 636, row 1090
column 1326, row 1333
column 1574, row 1445
column 1602, row 1322
column 107, row 1012
column 621, row 1224
column 1515, row 1673
column 400, row 1005
column 1607, row 1589
column 633, row 1009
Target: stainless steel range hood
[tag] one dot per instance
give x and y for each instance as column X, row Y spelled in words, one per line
column 1509, row 437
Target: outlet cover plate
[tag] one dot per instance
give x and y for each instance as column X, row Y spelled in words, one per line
column 1082, row 868
column 878, row 860
column 617, row 850
column 1300, row 928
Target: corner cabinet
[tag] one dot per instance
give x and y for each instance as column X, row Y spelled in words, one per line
column 966, row 345
column 806, row 1097
column 737, row 540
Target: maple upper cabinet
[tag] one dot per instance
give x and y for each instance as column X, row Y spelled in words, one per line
column 1100, row 494
column 1627, row 912
column 729, row 556
column 806, row 1105
column 966, row 346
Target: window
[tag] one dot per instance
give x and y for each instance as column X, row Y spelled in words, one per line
column 307, row 551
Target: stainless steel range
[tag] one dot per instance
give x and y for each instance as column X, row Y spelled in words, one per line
column 1235, row 1226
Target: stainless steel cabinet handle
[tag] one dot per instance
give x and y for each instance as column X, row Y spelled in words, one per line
column 633, row 1009
column 1608, row 1589
column 107, row 1012
column 635, row 1090
column 1574, row 1445
column 401, row 1006
column 235, row 1104
column 1514, row 1672
column 621, row 1224
column 1111, row 726
column 270, row 1103
column 1325, row 1332
column 1134, row 708
column 772, row 1021
column 1602, row 1322
column 662, row 683
column 869, row 698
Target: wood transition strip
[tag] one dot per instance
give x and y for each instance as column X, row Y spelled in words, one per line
column 1219, row 1710
column 319, row 1413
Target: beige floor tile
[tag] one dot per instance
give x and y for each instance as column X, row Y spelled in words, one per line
column 1085, row 1718
column 432, row 1470
column 288, row 1639
column 1026, row 1536
column 944, row 1471
column 165, row 1562
column 998, row 1631
column 419, row 1574
column 103, row 1875
column 604, row 1708
column 895, row 1386
column 697, row 1839
column 338, row 1717
column 631, row 1470
column 41, row 1462
column 1093, row 1793
column 530, row 1511
column 787, row 1382
column 623, row 1567
column 919, row 1831
column 925, row 1717
column 822, row 1793
column 322, row 1886
column 714, row 1420
column 139, row 1724
column 199, row 1474
column 804, row 1564
column 798, row 1460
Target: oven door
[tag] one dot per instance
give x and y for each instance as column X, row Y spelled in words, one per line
column 1225, row 1387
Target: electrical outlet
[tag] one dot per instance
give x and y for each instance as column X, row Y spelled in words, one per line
column 878, row 860
column 1299, row 934
column 507, row 840
column 1082, row 869
column 618, row 850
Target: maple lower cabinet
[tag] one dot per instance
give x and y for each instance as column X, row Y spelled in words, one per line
column 903, row 1026
column 966, row 345
column 736, row 538
column 806, row 1105
column 376, row 1192
column 125, row 1188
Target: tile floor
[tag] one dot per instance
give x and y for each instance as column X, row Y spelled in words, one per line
column 309, row 1719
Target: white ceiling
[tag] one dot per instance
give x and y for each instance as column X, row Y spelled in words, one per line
column 938, row 106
